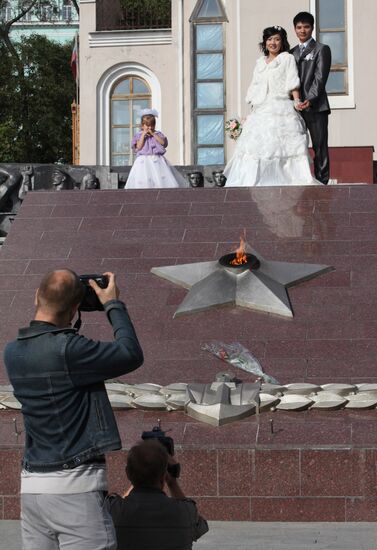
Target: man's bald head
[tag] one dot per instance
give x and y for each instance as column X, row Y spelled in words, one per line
column 59, row 293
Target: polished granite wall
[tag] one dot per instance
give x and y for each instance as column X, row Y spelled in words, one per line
column 315, row 466
column 351, row 164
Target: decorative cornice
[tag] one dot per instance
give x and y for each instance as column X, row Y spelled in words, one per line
column 73, row 24
column 130, row 38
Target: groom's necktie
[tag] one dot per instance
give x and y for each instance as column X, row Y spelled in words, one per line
column 302, row 49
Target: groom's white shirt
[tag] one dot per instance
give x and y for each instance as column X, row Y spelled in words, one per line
column 305, row 44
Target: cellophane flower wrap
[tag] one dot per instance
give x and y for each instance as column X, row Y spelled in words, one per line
column 238, row 356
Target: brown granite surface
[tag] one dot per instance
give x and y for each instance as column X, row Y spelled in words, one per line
column 351, row 164
column 315, row 466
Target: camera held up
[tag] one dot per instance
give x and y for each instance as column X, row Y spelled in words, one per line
column 90, row 302
column 158, row 434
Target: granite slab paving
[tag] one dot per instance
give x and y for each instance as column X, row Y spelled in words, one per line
column 257, row 536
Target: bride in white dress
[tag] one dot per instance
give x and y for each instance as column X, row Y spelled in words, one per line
column 273, row 146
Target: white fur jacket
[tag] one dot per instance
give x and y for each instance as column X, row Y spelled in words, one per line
column 276, row 79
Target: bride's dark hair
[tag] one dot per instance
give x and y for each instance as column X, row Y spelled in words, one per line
column 270, row 31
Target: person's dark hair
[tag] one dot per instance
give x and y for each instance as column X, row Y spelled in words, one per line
column 271, row 31
column 304, row 17
column 146, row 464
column 150, row 120
column 60, row 290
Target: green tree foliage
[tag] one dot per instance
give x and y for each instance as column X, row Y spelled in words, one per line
column 35, row 116
column 151, row 8
column 14, row 10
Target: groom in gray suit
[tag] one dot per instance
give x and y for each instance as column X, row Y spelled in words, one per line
column 314, row 61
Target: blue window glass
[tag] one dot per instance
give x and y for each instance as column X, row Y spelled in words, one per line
column 137, row 106
column 332, row 23
column 336, row 82
column 120, row 113
column 208, row 80
column 140, row 87
column 120, row 140
column 120, row 160
column 210, row 155
column 210, row 95
column 337, row 43
column 209, row 37
column 210, row 129
column 123, row 87
column 332, row 14
column 210, row 8
column 130, row 95
column 209, row 66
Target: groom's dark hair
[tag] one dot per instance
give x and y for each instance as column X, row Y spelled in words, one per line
column 304, row 17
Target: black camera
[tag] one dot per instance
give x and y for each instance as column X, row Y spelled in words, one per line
column 158, row 434
column 90, row 301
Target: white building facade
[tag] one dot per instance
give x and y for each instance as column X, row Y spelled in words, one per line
column 196, row 73
column 59, row 23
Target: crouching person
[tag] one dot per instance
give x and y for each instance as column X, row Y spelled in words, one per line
column 146, row 518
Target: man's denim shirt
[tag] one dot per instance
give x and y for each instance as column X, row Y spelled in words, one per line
column 58, row 376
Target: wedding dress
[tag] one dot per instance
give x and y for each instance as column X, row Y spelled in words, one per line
column 273, row 146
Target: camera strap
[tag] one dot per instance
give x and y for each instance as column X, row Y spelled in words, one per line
column 78, row 322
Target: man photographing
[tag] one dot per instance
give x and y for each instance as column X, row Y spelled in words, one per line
column 146, row 518
column 58, row 376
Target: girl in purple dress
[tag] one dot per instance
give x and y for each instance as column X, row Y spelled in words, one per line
column 150, row 168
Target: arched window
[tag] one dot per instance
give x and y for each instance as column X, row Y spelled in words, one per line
column 128, row 97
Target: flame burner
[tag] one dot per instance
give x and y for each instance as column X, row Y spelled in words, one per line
column 229, row 262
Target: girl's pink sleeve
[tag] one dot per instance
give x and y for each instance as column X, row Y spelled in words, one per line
column 157, row 148
column 163, row 137
column 134, row 141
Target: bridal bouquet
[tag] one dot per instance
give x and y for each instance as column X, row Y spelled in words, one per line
column 233, row 127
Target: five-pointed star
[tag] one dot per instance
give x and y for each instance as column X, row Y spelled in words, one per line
column 264, row 289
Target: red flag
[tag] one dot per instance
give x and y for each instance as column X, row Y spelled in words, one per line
column 75, row 59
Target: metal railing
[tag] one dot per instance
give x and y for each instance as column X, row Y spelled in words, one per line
column 111, row 16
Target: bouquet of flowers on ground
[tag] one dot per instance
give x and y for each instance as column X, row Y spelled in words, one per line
column 238, row 356
column 233, row 127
